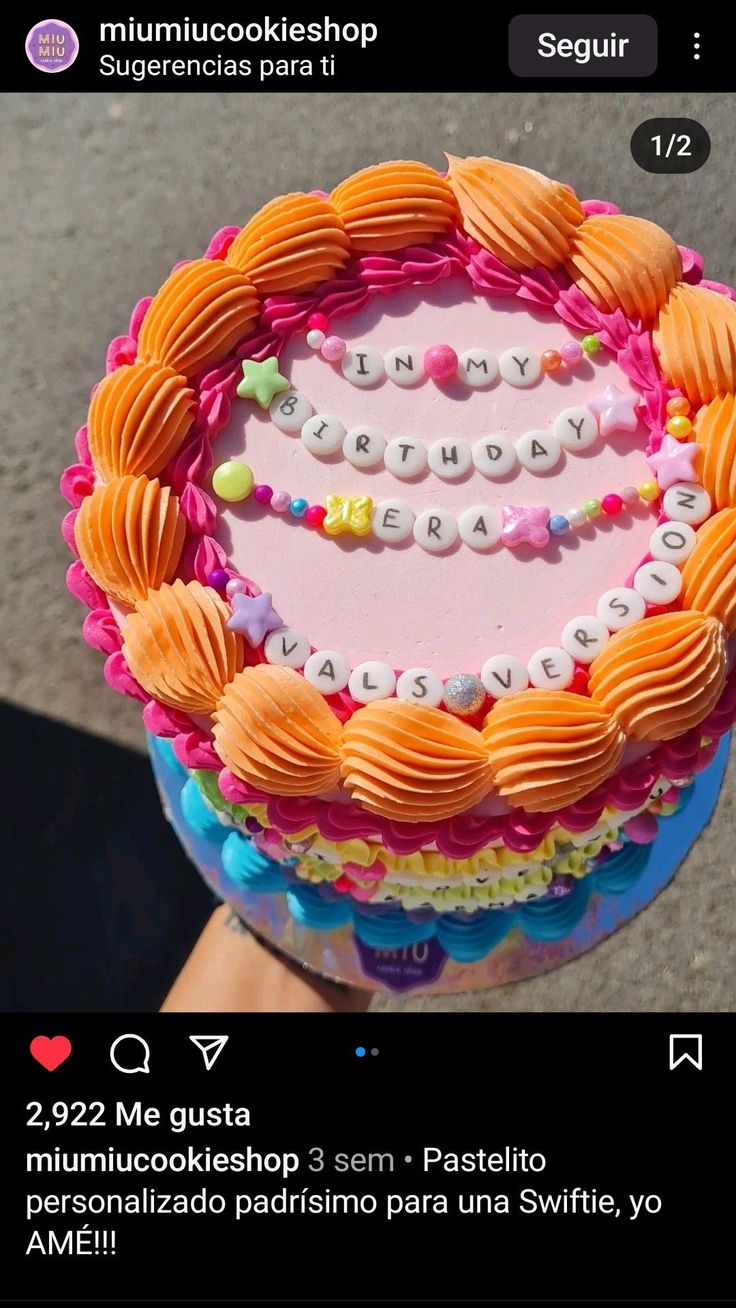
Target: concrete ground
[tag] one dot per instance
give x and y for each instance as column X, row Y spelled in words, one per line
column 101, row 194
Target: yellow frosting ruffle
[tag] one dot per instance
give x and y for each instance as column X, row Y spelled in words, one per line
column 625, row 263
column 138, row 417
column 662, row 675
column 393, row 204
column 522, row 217
column 178, row 646
column 130, row 535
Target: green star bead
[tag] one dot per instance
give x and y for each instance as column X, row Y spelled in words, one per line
column 262, row 381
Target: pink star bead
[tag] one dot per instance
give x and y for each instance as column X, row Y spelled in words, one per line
column 615, row 411
column 524, row 525
column 673, row 462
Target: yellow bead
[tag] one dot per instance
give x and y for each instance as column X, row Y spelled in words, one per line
column 679, row 427
column 649, row 490
column 232, row 481
column 346, row 514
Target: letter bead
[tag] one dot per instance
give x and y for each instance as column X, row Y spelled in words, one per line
column 658, row 583
column 362, row 366
column 687, row 502
column 450, row 459
column 287, row 647
column 420, row 686
column 538, row 451
column 551, row 668
column 405, row 365
column 502, row 674
column 290, row 411
column 520, row 367
column 576, row 428
column 364, row 447
column 323, row 435
column 479, row 527
column 370, row 681
column 477, row 368
column 672, row 542
column 435, row 530
column 584, row 637
column 327, row 671
column 405, row 457
column 620, row 607
column 392, row 521
column 494, row 456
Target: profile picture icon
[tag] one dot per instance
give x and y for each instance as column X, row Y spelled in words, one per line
column 52, row 45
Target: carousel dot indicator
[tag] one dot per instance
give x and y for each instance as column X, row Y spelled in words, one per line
column 360, row 1052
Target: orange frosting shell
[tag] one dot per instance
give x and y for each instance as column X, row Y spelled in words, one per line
column 412, row 763
column 292, row 243
column 274, row 731
column 178, row 646
column 709, row 575
column 138, row 417
column 625, row 263
column 715, row 431
column 549, row 748
column 523, row 218
column 662, row 675
column 696, row 339
column 130, row 535
column 394, row 204
column 200, row 313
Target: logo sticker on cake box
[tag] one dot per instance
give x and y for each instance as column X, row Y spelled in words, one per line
column 405, row 967
column 52, row 46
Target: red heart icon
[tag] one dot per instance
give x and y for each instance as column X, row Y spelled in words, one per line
column 50, row 1051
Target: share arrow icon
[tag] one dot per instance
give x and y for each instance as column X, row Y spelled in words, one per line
column 210, row 1047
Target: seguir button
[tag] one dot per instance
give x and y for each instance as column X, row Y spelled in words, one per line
column 583, row 45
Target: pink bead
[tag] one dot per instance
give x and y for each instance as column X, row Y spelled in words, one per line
column 612, row 505
column 262, row 494
column 629, row 495
column 572, row 353
column 235, row 587
column 317, row 322
column 670, row 796
column 642, row 829
column 333, row 349
column 440, row 362
column 315, row 515
column 280, row 501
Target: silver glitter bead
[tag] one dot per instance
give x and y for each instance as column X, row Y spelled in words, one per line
column 464, row 694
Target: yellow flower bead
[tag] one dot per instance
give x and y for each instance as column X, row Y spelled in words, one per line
column 346, row 514
column 679, row 427
column 649, row 490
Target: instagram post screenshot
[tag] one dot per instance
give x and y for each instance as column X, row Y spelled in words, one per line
column 368, row 591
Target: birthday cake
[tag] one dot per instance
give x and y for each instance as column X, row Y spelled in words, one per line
column 408, row 512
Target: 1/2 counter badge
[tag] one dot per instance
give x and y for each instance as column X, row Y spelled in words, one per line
column 52, row 46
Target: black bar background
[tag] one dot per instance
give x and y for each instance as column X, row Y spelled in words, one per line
column 592, row 1092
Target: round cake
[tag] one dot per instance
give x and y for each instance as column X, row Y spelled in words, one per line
column 408, row 512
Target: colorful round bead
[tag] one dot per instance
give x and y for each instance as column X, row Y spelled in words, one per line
column 629, row 495
column 592, row 508
column 590, row 344
column 558, row 524
column 677, row 406
column 217, row 578
column 333, row 349
column 232, row 481
column 262, row 494
column 612, row 505
column 315, row 515
column 317, row 322
column 280, row 501
column 440, row 362
column 315, row 339
column 572, row 353
column 679, row 427
column 236, row 586
column 649, row 490
column 551, row 360
column 464, row 694
column 576, row 517
column 253, row 825
column 298, row 507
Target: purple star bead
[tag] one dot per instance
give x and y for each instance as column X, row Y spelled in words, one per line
column 615, row 411
column 523, row 525
column 253, row 616
column 673, row 462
